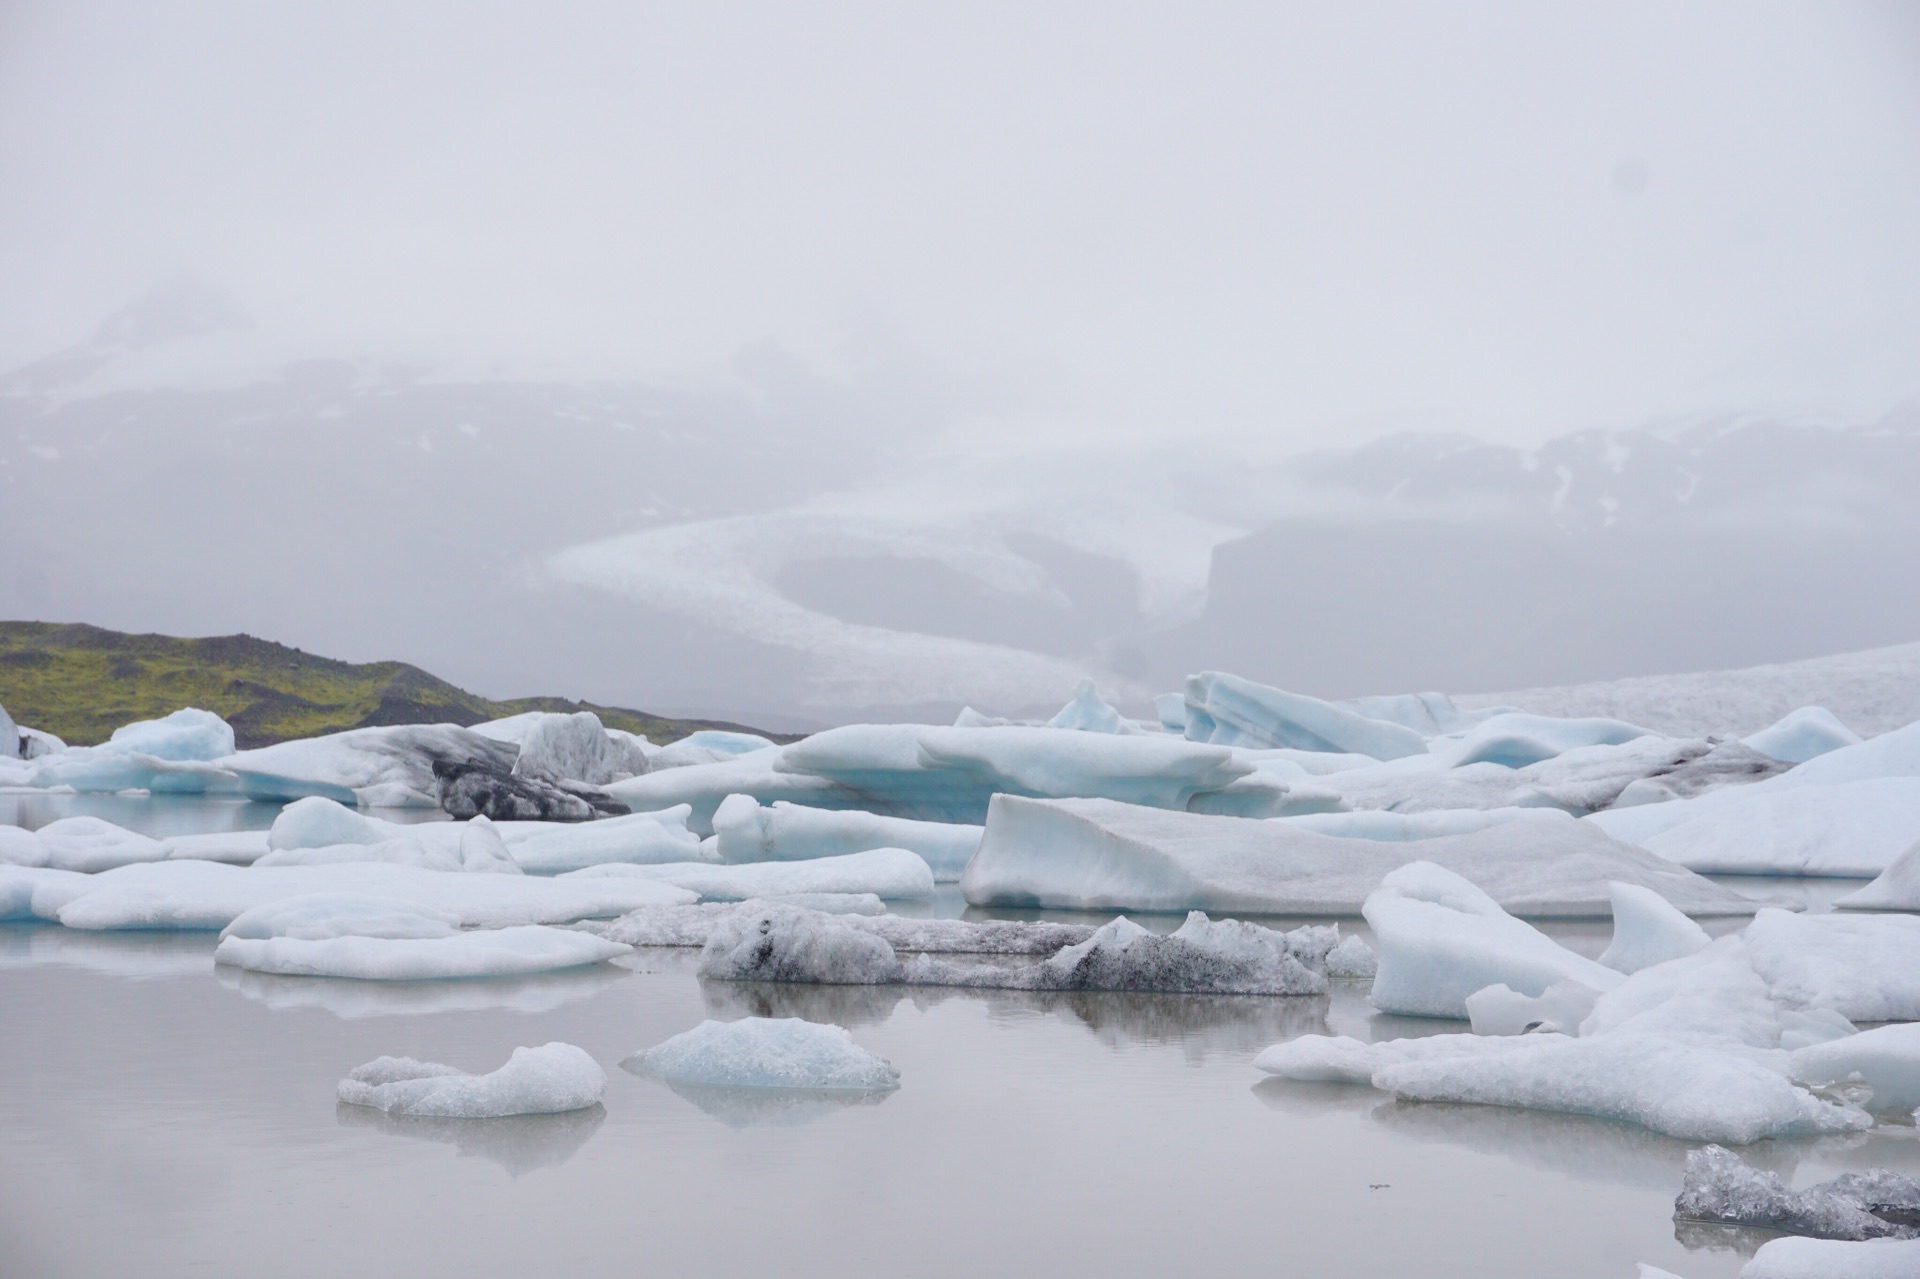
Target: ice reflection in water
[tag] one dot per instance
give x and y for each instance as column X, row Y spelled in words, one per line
column 351, row 1000
column 518, row 1143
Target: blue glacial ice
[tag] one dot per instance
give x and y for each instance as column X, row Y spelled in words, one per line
column 535, row 1081
column 1231, row 711
column 767, row 1052
column 1648, row 930
column 1803, row 734
column 747, row 831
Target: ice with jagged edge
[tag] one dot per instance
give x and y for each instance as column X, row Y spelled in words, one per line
column 767, row 1052
column 1722, row 1189
column 547, row 1080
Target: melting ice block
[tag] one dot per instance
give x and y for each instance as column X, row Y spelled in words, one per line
column 1864, row 967
column 485, row 952
column 1886, row 1059
column 1803, row 734
column 21, row 847
column 90, row 844
column 1895, row 888
column 189, row 734
column 317, row 916
column 1848, row 828
column 746, row 831
column 535, row 1081
column 1228, row 710
column 1102, row 855
column 1515, row 739
column 1834, row 1259
column 1721, row 1188
column 549, row 848
column 767, row 1052
column 1647, row 930
column 1440, row 939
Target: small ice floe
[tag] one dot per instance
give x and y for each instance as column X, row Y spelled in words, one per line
column 485, row 952
column 1834, row 1259
column 764, row 1052
column 1722, row 1189
column 535, row 1081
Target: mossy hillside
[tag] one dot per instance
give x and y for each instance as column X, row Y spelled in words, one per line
column 81, row 682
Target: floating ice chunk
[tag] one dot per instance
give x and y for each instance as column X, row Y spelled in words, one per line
column 486, row 952
column 1895, row 888
column 891, row 873
column 20, row 884
column 1352, row 959
column 1834, row 1259
column 316, row 822
column 1516, row 739
column 1799, row 736
column 318, row 916
column 1434, row 824
column 549, row 848
column 90, row 844
column 1440, row 938
column 235, row 847
column 709, row 745
column 1647, row 930
column 1500, row 1010
column 1886, row 1059
column 1721, row 1188
column 1713, row 998
column 767, row 1052
column 950, row 774
column 21, row 847
column 1088, row 712
column 98, row 770
column 1895, row 754
column 703, row 786
column 189, row 734
column 576, row 747
column 748, row 832
column 1102, row 855
column 1338, row 1059
column 1850, row 828
column 208, row 895
column 1804, row 1028
column 1227, row 710
column 483, row 851
column 535, row 1081
column 394, row 852
column 1864, row 967
column 782, row 943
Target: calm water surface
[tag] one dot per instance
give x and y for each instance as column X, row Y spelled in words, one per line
column 164, row 1118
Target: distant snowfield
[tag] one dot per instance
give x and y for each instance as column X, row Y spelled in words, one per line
column 1874, row 691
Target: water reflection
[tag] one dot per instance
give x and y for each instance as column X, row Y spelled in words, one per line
column 518, row 1143
column 352, row 1000
column 772, row 1107
column 132, row 956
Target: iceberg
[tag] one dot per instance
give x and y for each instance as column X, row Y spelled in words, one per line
column 1089, row 713
column 767, row 1052
column 1647, row 930
column 747, row 831
column 551, row 848
column 208, row 895
column 950, row 774
column 1886, row 1059
column 89, row 844
column 1428, row 714
column 1439, row 939
column 1853, row 828
column 695, row 926
column 1432, row 824
column 1515, row 739
column 21, row 847
column 704, row 785
column 1722, row 1189
column 319, row 916
column 186, row 735
column 1864, row 967
column 578, row 748
column 890, row 873
column 483, row 851
column 708, row 746
column 535, row 1081
column 235, row 847
column 392, row 852
column 1801, row 735
column 485, row 952
column 1096, row 854
column 1501, row 1010
column 1834, row 1259
column 1895, row 888
column 1227, row 710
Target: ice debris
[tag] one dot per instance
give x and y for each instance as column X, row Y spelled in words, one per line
column 1885, row 1058
column 485, row 952
column 546, row 1080
column 1721, row 1188
column 767, row 1052
column 1801, row 735
column 1648, row 930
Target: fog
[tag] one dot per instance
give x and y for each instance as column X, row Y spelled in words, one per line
column 808, row 361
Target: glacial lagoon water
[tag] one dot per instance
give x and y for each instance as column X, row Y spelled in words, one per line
column 162, row 1117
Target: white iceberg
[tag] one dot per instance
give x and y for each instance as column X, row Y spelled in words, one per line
column 766, row 1052
column 1089, row 713
column 548, row 848
column 21, row 847
column 1101, row 855
column 1228, row 710
column 208, row 895
column 1432, row 824
column 1886, row 1059
column 702, row 786
column 707, row 746
column 1864, row 967
column 1856, row 828
column 1440, row 938
column 90, row 844
column 746, row 831
column 319, row 916
column 1501, row 1010
column 316, row 822
column 1515, row 739
column 575, row 747
column 1803, row 734
column 1895, row 888
column 186, row 735
column 1834, row 1259
column 890, row 873
column 535, row 1081
column 235, row 847
column 484, row 952
column 1647, row 930
column 391, row 852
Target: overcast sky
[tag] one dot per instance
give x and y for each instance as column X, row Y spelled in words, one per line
column 1311, row 223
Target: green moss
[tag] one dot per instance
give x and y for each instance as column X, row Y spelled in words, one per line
column 81, row 682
